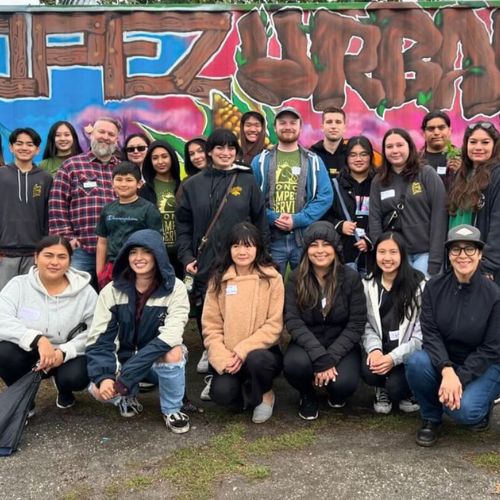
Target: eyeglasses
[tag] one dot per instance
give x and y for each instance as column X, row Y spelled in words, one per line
column 131, row 149
column 468, row 250
column 363, row 155
column 483, row 125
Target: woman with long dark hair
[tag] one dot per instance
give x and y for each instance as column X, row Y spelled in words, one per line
column 410, row 198
column 392, row 332
column 38, row 311
column 474, row 196
column 325, row 314
column 354, row 184
column 62, row 143
column 195, row 155
column 242, row 323
column 161, row 173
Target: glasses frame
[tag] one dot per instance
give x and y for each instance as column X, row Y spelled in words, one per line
column 132, row 149
column 456, row 251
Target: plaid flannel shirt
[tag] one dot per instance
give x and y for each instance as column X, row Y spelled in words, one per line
column 82, row 186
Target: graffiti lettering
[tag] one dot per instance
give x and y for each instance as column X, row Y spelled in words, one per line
column 104, row 46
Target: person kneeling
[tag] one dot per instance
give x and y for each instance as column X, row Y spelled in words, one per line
column 325, row 314
column 137, row 331
column 242, row 324
column 458, row 370
column 392, row 332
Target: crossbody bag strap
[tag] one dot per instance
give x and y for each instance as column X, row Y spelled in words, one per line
column 204, row 239
column 347, row 215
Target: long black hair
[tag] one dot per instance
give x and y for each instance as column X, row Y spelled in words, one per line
column 247, row 234
column 364, row 142
column 188, row 164
column 407, row 282
column 50, row 150
column 149, row 172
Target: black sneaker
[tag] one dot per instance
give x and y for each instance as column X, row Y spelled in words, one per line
column 308, row 407
column 428, row 434
column 177, row 422
column 483, row 425
column 65, row 400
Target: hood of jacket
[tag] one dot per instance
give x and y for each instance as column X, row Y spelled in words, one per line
column 153, row 241
column 78, row 280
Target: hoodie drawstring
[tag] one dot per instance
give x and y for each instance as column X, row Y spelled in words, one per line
column 25, row 186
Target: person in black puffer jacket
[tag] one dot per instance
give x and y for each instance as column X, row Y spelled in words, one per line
column 325, row 314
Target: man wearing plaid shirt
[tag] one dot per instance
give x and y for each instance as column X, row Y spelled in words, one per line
column 82, row 186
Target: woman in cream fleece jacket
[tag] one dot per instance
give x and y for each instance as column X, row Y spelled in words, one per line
column 242, row 323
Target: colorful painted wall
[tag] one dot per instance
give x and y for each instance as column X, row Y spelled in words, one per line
column 179, row 72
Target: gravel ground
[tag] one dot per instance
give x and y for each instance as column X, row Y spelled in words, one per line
column 85, row 452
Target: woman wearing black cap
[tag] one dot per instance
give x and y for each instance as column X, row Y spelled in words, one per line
column 325, row 313
column 458, row 370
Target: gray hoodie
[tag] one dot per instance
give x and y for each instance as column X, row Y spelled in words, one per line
column 27, row 310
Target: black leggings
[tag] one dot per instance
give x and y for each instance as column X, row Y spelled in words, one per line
column 16, row 362
column 394, row 382
column 255, row 378
column 298, row 371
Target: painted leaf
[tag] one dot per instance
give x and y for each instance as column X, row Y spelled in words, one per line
column 317, row 63
column 270, row 115
column 476, row 70
column 305, row 28
column 381, row 107
column 241, row 105
column 240, row 58
column 438, row 19
column 206, row 112
column 467, row 62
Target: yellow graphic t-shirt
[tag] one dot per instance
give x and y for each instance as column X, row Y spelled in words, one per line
column 165, row 200
column 287, row 180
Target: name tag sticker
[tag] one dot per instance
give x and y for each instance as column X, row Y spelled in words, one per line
column 441, row 170
column 231, row 290
column 90, row 184
column 390, row 193
column 394, row 335
column 29, row 314
column 296, row 170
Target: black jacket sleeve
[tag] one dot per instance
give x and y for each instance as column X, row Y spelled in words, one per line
column 301, row 334
column 355, row 327
column 433, row 342
column 487, row 354
column 184, row 229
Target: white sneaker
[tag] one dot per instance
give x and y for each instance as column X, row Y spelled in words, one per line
column 202, row 366
column 177, row 422
column 382, row 403
column 129, row 406
column 205, row 393
column 409, row 405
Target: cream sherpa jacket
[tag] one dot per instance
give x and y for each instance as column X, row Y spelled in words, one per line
column 246, row 315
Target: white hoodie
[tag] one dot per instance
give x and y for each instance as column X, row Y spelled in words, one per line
column 27, row 310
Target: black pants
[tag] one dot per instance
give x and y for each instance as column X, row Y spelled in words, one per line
column 394, row 382
column 246, row 387
column 298, row 371
column 16, row 362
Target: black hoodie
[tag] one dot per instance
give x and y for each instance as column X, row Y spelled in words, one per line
column 23, row 208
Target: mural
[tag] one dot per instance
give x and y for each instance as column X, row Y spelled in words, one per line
column 179, row 73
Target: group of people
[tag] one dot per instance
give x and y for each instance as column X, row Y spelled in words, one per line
column 335, row 244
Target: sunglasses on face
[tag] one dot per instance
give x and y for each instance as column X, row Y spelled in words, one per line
column 468, row 250
column 131, row 149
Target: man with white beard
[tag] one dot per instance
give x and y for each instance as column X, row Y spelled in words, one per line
column 82, row 186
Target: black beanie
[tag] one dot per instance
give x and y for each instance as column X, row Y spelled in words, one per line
column 323, row 230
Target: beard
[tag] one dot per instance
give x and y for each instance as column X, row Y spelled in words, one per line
column 101, row 149
column 288, row 138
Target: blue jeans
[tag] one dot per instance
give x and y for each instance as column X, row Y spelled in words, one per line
column 83, row 261
column 172, row 384
column 285, row 250
column 420, row 262
column 478, row 396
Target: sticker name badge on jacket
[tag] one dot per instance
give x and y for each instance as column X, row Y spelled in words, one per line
column 90, row 184
column 390, row 193
column 231, row 290
column 394, row 335
column 30, row 314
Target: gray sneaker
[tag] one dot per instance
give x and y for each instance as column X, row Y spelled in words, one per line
column 129, row 406
column 382, row 403
column 205, row 393
column 263, row 412
column 409, row 405
column 202, row 366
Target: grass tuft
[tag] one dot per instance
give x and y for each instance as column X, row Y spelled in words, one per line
column 489, row 460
